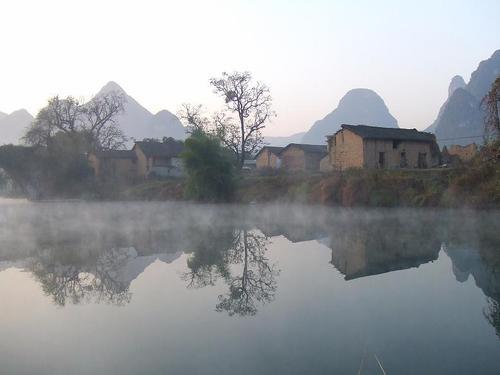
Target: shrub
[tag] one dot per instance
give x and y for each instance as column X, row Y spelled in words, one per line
column 209, row 167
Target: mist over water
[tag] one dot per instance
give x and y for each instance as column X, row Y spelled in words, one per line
column 152, row 288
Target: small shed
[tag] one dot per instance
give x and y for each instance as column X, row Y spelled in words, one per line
column 121, row 164
column 160, row 159
column 302, row 157
column 268, row 157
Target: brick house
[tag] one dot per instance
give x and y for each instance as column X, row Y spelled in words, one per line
column 159, row 159
column 114, row 164
column 464, row 153
column 361, row 146
column 146, row 159
column 302, row 157
column 268, row 157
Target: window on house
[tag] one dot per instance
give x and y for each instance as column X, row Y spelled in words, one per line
column 422, row 160
column 403, row 161
column 381, row 159
column 395, row 144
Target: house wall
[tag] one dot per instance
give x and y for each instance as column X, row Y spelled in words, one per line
column 143, row 164
column 267, row 159
column 94, row 164
column 118, row 168
column 168, row 167
column 313, row 161
column 465, row 153
column 113, row 167
column 345, row 150
column 293, row 159
column 348, row 150
column 325, row 165
column 393, row 156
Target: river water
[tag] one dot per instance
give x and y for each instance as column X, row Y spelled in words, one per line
column 170, row 288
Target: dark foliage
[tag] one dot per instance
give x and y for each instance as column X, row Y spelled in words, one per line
column 209, row 168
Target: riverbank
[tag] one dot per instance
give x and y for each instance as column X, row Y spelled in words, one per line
column 475, row 187
column 475, row 184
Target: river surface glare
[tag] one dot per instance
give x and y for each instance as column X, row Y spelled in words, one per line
column 177, row 288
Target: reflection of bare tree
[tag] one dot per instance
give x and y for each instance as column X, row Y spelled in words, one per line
column 208, row 261
column 239, row 258
column 256, row 281
column 492, row 314
column 74, row 281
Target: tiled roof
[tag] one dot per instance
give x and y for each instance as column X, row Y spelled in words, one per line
column 169, row 148
column 374, row 132
column 274, row 149
column 320, row 149
column 115, row 154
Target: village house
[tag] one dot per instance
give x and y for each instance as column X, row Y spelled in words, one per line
column 361, row 146
column 159, row 159
column 302, row 157
column 121, row 164
column 146, row 159
column 268, row 157
column 464, row 153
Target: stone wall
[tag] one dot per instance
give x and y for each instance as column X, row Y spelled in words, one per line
column 267, row 159
column 465, row 153
column 398, row 154
column 348, row 150
column 293, row 159
column 345, row 150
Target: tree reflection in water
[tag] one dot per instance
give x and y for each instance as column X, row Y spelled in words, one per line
column 239, row 258
column 492, row 314
column 76, row 280
column 94, row 254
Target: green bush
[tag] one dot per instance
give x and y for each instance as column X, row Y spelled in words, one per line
column 209, row 168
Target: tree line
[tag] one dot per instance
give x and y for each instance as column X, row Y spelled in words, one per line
column 67, row 130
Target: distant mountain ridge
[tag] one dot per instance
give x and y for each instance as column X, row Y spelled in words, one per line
column 138, row 123
column 358, row 106
column 284, row 141
column 461, row 118
column 13, row 126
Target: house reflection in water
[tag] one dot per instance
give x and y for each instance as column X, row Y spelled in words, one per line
column 374, row 249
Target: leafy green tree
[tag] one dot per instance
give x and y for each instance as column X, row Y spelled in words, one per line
column 209, row 167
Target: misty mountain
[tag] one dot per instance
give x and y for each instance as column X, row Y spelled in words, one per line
column 138, row 123
column 461, row 118
column 13, row 126
column 485, row 74
column 457, row 82
column 358, row 106
column 284, row 141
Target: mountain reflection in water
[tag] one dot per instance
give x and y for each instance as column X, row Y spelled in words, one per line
column 90, row 253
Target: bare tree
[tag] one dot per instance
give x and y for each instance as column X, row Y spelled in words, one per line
column 491, row 102
column 194, row 118
column 98, row 121
column 95, row 120
column 251, row 102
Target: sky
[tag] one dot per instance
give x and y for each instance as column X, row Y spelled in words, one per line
column 310, row 53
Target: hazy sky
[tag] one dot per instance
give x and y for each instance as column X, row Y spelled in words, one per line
column 309, row 52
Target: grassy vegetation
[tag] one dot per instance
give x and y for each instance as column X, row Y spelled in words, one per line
column 474, row 184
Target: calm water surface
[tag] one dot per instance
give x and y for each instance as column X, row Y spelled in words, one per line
column 157, row 288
